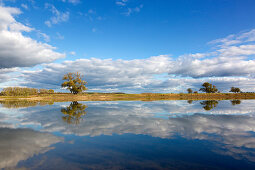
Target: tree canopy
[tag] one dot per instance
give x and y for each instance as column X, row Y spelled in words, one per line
column 189, row 90
column 74, row 82
column 208, row 88
column 235, row 90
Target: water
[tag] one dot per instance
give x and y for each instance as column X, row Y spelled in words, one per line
column 128, row 135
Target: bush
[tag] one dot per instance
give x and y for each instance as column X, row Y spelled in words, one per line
column 51, row 91
column 19, row 91
column 44, row 91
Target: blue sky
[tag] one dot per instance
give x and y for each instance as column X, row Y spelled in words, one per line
column 128, row 45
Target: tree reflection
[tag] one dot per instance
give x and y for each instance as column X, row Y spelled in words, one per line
column 235, row 102
column 209, row 104
column 190, row 101
column 74, row 112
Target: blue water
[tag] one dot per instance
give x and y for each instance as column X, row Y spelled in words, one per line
column 128, row 135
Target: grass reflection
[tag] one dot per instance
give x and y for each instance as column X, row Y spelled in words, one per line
column 23, row 103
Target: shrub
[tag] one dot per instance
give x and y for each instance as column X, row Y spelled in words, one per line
column 19, row 91
column 51, row 91
column 44, row 91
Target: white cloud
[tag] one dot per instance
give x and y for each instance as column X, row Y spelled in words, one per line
column 92, row 16
column 45, row 37
column 72, row 53
column 234, row 56
column 129, row 11
column 24, row 6
column 57, row 17
column 144, row 75
column 121, row 2
column 17, row 50
column 5, row 74
column 233, row 39
column 72, row 1
column 230, row 64
column 108, row 73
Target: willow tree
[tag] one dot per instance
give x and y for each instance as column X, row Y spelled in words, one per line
column 74, row 83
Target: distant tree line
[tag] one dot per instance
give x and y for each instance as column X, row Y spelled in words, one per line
column 75, row 84
column 209, row 88
column 24, row 91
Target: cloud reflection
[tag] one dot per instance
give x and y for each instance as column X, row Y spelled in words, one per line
column 21, row 144
column 232, row 133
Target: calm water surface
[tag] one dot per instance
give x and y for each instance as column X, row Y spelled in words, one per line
column 128, row 135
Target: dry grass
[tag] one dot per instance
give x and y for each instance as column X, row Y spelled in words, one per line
column 140, row 97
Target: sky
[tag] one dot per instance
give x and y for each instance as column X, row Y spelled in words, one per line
column 131, row 46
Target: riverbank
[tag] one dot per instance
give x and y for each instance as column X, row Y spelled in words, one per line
column 58, row 97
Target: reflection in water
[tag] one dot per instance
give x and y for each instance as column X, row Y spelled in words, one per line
column 18, row 104
column 20, row 144
column 73, row 112
column 235, row 102
column 23, row 103
column 228, row 135
column 209, row 104
column 190, row 101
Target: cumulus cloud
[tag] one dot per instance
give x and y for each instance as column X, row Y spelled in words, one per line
column 233, row 56
column 17, row 50
column 106, row 73
column 20, row 144
column 230, row 63
column 4, row 74
column 227, row 65
column 129, row 76
column 57, row 17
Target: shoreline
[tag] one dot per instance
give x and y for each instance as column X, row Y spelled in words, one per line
column 59, row 97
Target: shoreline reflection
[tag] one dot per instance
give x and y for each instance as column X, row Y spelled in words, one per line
column 15, row 104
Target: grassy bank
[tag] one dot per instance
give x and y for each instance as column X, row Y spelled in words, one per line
column 140, row 97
